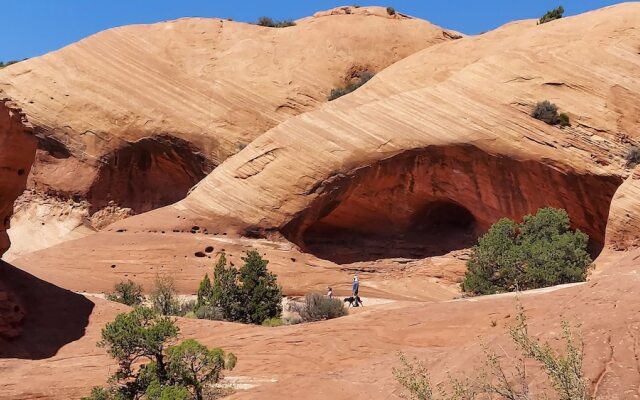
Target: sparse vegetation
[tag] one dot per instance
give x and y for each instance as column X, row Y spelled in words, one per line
column 541, row 251
column 317, row 307
column 273, row 322
column 551, row 15
column 362, row 78
column 391, row 11
column 164, row 297
column 548, row 112
column 182, row 371
column 633, row 157
column 129, row 293
column 563, row 372
column 269, row 22
column 7, row 63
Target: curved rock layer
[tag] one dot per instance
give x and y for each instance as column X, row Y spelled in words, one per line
column 203, row 87
column 467, row 139
column 428, row 202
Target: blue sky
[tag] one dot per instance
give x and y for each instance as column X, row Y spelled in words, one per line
column 34, row 27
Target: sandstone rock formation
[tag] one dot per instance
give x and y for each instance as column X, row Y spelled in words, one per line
column 385, row 163
column 133, row 117
column 438, row 146
column 17, row 149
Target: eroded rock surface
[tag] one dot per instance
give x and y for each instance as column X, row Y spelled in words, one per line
column 17, row 149
column 172, row 100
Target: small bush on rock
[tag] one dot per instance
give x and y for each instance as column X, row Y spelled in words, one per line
column 541, row 251
column 551, row 15
column 391, row 11
column 363, row 78
column 317, row 307
column 269, row 22
column 6, row 64
column 633, row 157
column 129, row 293
column 548, row 112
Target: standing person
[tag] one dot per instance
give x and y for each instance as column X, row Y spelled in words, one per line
column 355, row 287
column 330, row 292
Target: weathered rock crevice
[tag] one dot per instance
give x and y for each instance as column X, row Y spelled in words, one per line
column 430, row 201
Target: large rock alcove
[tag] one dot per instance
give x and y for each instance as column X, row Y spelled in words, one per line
column 430, row 201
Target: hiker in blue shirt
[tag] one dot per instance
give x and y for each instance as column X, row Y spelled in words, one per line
column 355, row 287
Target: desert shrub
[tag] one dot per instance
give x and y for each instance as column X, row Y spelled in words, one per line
column 129, row 293
column 541, row 251
column 164, row 297
column 186, row 307
column 317, row 307
column 7, row 63
column 273, row 322
column 149, row 367
column 391, row 11
column 563, row 119
column 291, row 320
column 548, row 112
column 363, row 78
column 269, row 22
column 209, row 312
column 551, row 15
column 192, row 365
column 563, row 371
column 633, row 157
column 248, row 295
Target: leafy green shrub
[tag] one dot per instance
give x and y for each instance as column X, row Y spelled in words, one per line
column 164, row 297
column 548, row 112
column 391, row 11
column 269, row 22
column 192, row 365
column 248, row 295
column 317, row 307
column 178, row 372
column 363, row 78
column 273, row 322
column 129, row 293
column 563, row 371
column 541, row 251
column 551, row 15
column 633, row 157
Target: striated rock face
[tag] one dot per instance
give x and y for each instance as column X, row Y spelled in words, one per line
column 411, row 165
column 172, row 100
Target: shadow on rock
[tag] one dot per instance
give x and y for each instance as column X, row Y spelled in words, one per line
column 36, row 317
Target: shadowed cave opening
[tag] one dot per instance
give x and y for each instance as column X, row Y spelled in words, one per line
column 438, row 228
column 429, row 202
column 148, row 174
